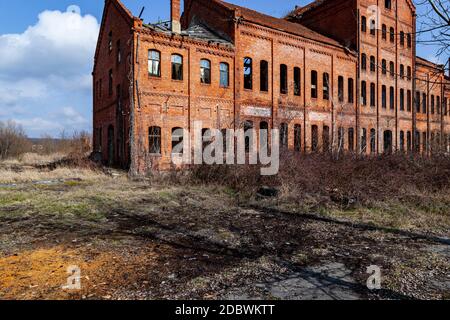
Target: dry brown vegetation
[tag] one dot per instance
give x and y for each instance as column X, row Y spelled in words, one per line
column 205, row 233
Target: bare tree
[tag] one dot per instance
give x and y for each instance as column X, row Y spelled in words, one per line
column 434, row 25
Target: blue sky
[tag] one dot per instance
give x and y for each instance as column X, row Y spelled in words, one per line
column 46, row 58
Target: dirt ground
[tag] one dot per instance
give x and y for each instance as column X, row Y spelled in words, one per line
column 141, row 240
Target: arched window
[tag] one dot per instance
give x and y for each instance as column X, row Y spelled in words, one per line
column 177, row 67
column 408, row 100
column 297, row 137
column 248, row 131
column 154, row 140
column 284, row 135
column 350, row 90
column 372, row 64
column 154, row 63
column 388, row 4
column 402, row 38
column 326, row 86
column 248, row 73
column 263, row 135
column 383, row 97
column 314, row 138
column 373, row 139
column 392, row 68
column 297, row 81
column 392, row 34
column 364, row 140
column 341, row 139
column 205, row 71
column 351, row 139
column 432, row 104
column 224, row 75
column 341, row 88
column 363, row 24
column 384, row 32
column 363, row 61
column 372, row 27
column 383, row 66
column 408, row 141
column 402, row 99
column 313, row 84
column 409, row 73
column 372, row 94
column 283, row 79
column 363, row 93
column 326, row 138
column 264, row 75
column 402, row 141
column 177, row 140
column 206, row 138
column 408, row 40
column 391, row 98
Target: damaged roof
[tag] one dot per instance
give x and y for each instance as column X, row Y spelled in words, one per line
column 280, row 24
column 196, row 30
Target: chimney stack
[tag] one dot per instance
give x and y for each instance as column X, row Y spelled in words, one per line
column 175, row 15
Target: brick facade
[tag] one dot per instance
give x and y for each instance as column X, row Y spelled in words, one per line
column 324, row 41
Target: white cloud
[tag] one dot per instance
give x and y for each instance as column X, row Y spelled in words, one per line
column 47, row 66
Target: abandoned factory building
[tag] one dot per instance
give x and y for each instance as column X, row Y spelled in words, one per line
column 332, row 74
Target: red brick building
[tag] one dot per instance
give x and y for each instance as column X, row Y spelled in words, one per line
column 338, row 74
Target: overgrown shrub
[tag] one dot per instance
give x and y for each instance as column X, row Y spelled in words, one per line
column 13, row 140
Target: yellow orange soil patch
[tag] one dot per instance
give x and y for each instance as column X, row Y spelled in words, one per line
column 42, row 273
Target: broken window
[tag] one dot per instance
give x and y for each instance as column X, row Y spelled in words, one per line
column 408, row 40
column 384, row 32
column 351, row 139
column 350, row 90
column 298, row 137
column 177, row 140
column 391, row 98
column 363, row 24
column 119, row 52
column 224, row 75
column 154, row 63
column 110, row 41
column 341, row 88
column 408, row 102
column 387, row 138
column 392, row 68
column 372, row 64
column 363, row 61
column 424, row 103
column 248, row 73
column 409, row 73
column 110, row 82
column 177, row 67
column 372, row 94
column 402, row 71
column 326, row 86
column 432, row 104
column 264, row 76
column 364, row 140
column 388, row 4
column 205, row 71
column 283, row 79
column 313, row 84
column 402, row 99
column 392, row 34
column 383, row 97
column 402, row 141
column 372, row 27
column 383, row 66
column 248, row 132
column 284, row 135
column 314, row 138
column 363, row 93
column 373, row 139
column 402, row 38
column 326, row 138
column 297, row 81
column 154, row 140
